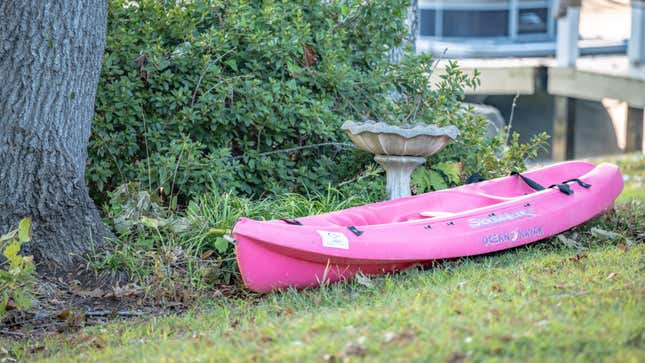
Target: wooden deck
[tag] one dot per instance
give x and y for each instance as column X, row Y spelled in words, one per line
column 593, row 78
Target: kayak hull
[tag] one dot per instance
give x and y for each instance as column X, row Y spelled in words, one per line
column 272, row 270
column 389, row 236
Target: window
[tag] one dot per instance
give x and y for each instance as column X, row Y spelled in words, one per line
column 426, row 22
column 532, row 21
column 475, row 23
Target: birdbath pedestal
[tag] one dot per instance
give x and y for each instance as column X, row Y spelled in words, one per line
column 398, row 171
column 399, row 149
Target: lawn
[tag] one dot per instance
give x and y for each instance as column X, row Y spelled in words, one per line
column 577, row 298
column 633, row 169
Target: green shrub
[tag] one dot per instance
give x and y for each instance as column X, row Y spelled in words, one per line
column 198, row 95
column 216, row 84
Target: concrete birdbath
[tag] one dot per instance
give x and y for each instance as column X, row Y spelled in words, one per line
column 399, row 149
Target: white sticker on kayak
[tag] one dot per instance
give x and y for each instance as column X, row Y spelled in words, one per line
column 334, row 239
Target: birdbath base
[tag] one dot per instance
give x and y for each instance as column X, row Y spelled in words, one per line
column 398, row 170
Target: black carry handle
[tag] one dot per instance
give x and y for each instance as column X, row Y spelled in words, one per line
column 580, row 182
column 562, row 187
column 294, row 222
column 530, row 182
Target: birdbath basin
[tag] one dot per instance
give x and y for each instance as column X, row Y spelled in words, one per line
column 399, row 149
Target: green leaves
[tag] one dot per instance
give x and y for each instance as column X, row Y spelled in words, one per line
column 451, row 171
column 437, row 177
column 11, row 253
column 194, row 94
column 221, row 245
column 199, row 95
column 16, row 279
column 24, row 230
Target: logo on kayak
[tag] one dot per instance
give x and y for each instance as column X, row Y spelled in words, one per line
column 334, row 240
column 493, row 218
column 512, row 236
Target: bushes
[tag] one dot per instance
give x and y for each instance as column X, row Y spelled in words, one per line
column 213, row 85
column 194, row 94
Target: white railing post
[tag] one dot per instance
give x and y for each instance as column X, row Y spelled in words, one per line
column 636, row 47
column 567, row 41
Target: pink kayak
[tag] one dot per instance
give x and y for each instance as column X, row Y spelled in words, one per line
column 387, row 236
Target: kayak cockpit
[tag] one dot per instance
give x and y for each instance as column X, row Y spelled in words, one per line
column 430, row 205
column 449, row 202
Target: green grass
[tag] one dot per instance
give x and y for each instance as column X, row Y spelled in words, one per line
column 550, row 301
column 530, row 304
column 633, row 168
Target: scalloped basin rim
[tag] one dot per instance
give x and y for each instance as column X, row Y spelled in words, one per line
column 406, row 131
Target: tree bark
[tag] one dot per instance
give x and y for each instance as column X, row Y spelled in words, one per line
column 50, row 60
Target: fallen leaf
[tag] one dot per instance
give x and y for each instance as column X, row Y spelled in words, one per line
column 570, row 242
column 127, row 290
column 622, row 246
column 455, row 357
column 599, row 232
column 55, row 302
column 497, row 288
column 355, row 349
column 89, row 293
column 364, row 280
column 95, row 341
column 391, row 337
column 577, row 258
column 611, row 275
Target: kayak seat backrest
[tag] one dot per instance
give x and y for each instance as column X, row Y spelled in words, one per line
column 514, row 186
column 510, row 188
column 360, row 217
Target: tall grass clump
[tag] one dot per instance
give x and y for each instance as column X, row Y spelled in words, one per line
column 192, row 250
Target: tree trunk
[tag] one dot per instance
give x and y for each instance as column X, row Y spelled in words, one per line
column 50, row 60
